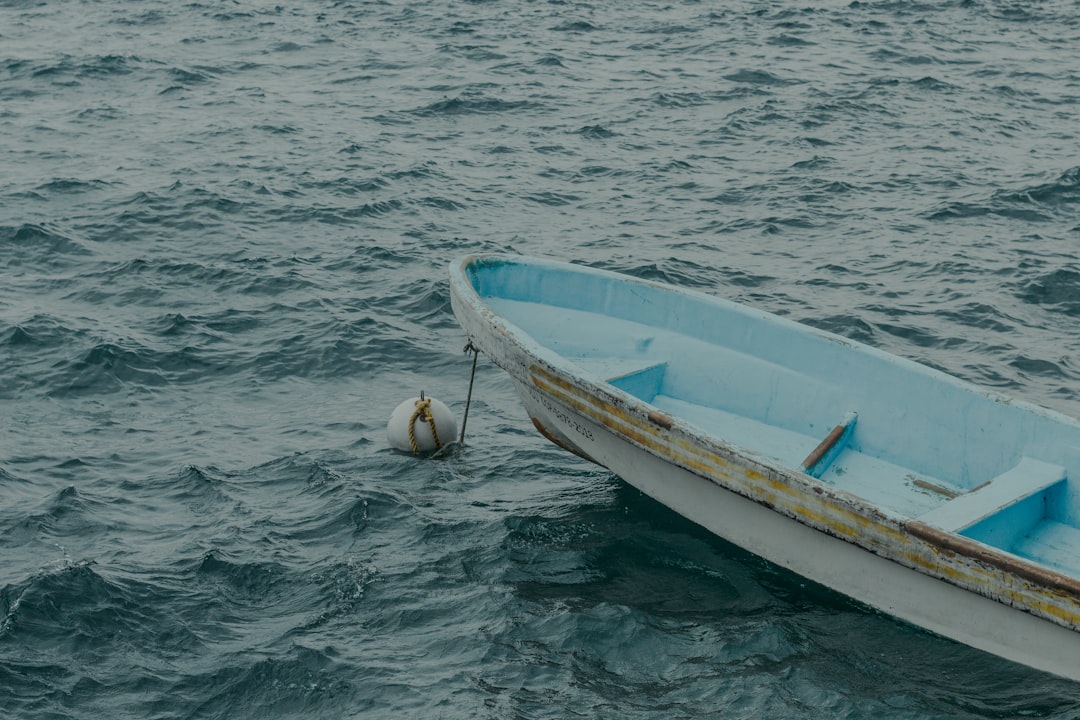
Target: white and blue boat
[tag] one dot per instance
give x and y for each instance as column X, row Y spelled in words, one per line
column 946, row 505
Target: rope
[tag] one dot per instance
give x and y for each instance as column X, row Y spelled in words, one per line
column 423, row 412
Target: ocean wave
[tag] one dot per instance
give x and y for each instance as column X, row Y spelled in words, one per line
column 254, row 585
column 70, row 186
column 427, row 298
column 108, row 367
column 674, row 271
column 473, row 103
column 345, row 582
column 86, row 67
column 40, row 245
column 760, row 78
column 1058, row 289
column 37, row 332
column 200, row 491
column 1042, row 202
column 1059, row 194
column 474, row 53
column 789, row 40
column 62, row 516
column 301, row 681
column 979, row 315
column 201, row 347
column 596, row 132
column 576, row 26
column 82, row 613
column 846, row 325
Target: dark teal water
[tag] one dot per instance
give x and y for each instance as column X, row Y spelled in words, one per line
column 224, row 229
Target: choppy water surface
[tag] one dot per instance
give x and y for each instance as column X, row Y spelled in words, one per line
column 224, row 229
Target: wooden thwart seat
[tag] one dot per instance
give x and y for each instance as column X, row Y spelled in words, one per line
column 821, row 457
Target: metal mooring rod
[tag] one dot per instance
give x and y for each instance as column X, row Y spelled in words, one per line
column 468, row 400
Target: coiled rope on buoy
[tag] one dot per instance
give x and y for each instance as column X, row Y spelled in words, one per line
column 402, row 431
column 424, row 414
column 421, row 425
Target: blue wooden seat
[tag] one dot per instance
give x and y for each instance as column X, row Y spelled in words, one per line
column 1000, row 511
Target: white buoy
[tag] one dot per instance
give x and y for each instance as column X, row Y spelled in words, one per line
column 418, row 414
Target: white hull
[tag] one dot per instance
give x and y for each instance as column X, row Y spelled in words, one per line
column 711, row 409
column 880, row 583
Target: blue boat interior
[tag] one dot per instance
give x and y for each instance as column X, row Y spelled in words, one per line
column 907, row 439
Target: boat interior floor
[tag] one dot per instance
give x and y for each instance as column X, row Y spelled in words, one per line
column 635, row 358
column 1008, row 511
column 877, row 481
column 1019, row 511
column 894, row 488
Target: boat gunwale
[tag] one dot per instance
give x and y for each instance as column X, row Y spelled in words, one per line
column 969, row 564
column 459, row 277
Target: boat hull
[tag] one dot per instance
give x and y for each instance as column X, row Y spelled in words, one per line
column 901, row 564
column 902, row 592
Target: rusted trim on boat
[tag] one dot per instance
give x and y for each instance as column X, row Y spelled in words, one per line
column 1006, row 562
column 935, row 488
column 560, row 442
column 658, row 418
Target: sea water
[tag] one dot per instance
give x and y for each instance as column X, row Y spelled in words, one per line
column 224, row 232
